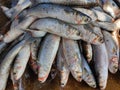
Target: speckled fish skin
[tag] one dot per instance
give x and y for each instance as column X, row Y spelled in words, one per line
column 113, row 52
column 62, row 67
column 87, row 51
column 105, row 25
column 110, row 7
column 65, row 30
column 69, row 2
column 73, row 58
column 96, row 15
column 34, row 46
column 89, row 30
column 65, row 13
column 47, row 53
column 21, row 61
column 102, row 16
column 87, row 12
column 101, row 64
column 88, row 76
column 97, row 31
column 6, row 64
column 14, row 32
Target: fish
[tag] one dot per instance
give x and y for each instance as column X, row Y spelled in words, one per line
column 62, row 29
column 35, row 33
column 14, row 82
column 13, row 12
column 108, row 26
column 14, row 32
column 96, row 15
column 46, row 55
column 113, row 52
column 111, row 8
column 70, row 2
column 87, row 12
column 87, row 51
column 117, row 2
column 33, row 61
column 73, row 58
column 98, row 8
column 102, row 16
column 65, row 13
column 88, row 76
column 21, row 62
column 117, row 23
column 5, row 11
column 62, row 67
column 6, row 63
column 100, row 58
column 115, row 36
column 97, row 31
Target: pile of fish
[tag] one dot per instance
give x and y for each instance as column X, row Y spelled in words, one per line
column 67, row 33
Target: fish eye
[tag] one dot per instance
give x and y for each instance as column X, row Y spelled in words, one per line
column 113, row 4
column 87, row 19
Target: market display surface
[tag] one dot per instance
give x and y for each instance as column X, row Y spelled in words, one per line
column 60, row 37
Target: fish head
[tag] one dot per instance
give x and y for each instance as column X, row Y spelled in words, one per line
column 110, row 7
column 82, row 19
column 98, row 40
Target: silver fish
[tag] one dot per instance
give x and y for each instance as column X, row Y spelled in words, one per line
column 6, row 64
column 21, row 61
column 14, row 32
column 47, row 55
column 65, row 13
column 14, row 82
column 69, row 2
column 35, row 33
column 111, row 7
column 102, row 16
column 33, row 54
column 105, row 25
column 73, row 58
column 14, row 11
column 88, row 76
column 87, row 51
column 65, row 30
column 62, row 67
column 113, row 52
column 96, row 15
column 101, row 64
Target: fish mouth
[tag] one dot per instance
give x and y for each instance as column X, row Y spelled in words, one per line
column 114, row 59
column 98, row 39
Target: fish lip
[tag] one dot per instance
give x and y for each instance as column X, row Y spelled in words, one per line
column 114, row 58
